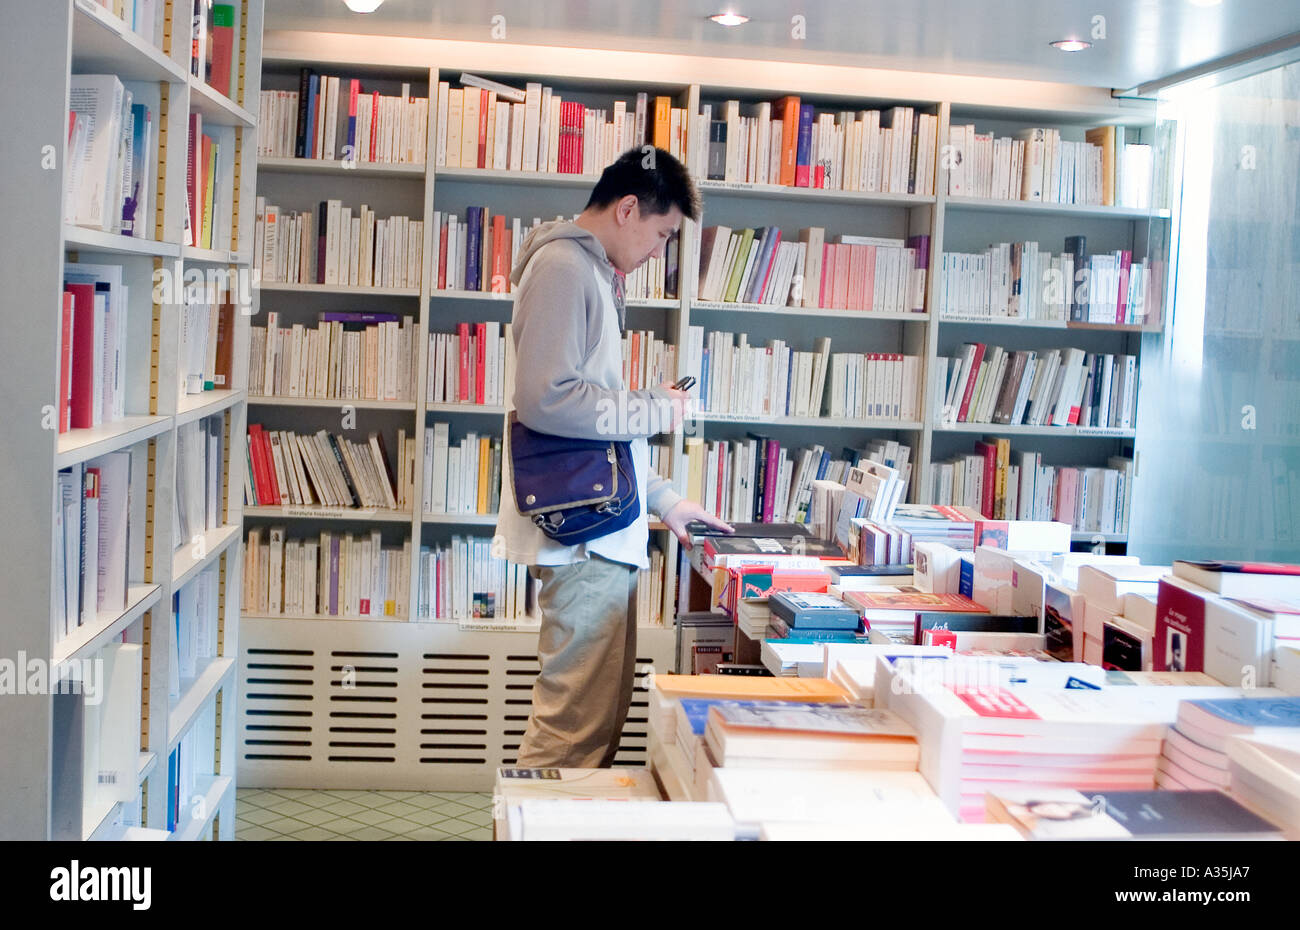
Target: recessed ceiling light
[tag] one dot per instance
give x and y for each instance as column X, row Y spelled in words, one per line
column 362, row 6
column 1071, row 45
column 729, row 19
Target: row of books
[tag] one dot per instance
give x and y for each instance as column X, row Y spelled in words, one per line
column 476, row 253
column 1038, row 165
column 333, row 246
column 342, row 575
column 191, row 760
column 110, row 158
column 867, row 273
column 734, row 377
column 91, row 540
column 464, row 580
column 1017, row 280
column 206, row 357
column 200, row 474
column 143, row 17
column 92, row 346
column 348, row 356
column 874, row 384
column 461, row 478
column 1057, row 387
column 207, row 226
column 486, row 124
column 287, row 469
column 1087, row 499
column 196, row 610
column 647, row 361
column 332, row 118
column 212, row 44
column 472, row 365
column 789, row 143
column 759, row 480
column 649, row 607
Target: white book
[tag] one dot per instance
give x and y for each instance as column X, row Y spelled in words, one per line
column 98, row 98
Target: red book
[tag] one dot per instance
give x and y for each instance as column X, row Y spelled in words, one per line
column 482, row 128
column 989, row 483
column 579, row 137
column 194, row 175
column 1179, row 640
column 634, row 361
column 223, row 47
column 65, row 363
column 480, row 360
column 970, row 382
column 566, row 117
column 374, row 125
column 819, row 176
column 353, row 152
column 81, row 401
column 276, row 494
column 261, row 487
column 462, row 388
column 773, row 477
column 500, row 261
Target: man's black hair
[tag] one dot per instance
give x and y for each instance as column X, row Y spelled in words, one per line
column 658, row 180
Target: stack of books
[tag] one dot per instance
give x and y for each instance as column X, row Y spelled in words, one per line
column 347, row 356
column 330, row 575
column 466, row 580
column 1196, row 751
column 1264, row 775
column 337, row 247
column 1067, row 814
column 514, row 786
column 111, row 160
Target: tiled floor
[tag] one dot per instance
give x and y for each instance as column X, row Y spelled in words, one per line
column 300, row 814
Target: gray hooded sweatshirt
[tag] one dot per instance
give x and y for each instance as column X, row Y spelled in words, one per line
column 568, row 381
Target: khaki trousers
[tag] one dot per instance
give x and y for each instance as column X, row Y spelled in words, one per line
column 587, row 649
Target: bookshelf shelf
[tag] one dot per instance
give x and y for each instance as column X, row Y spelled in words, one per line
column 465, row 519
column 213, row 789
column 148, row 762
column 1022, row 430
column 1051, row 209
column 815, row 194
column 212, row 675
column 864, row 315
column 494, row 176
column 460, row 294
column 87, row 639
column 315, row 618
column 341, row 289
column 262, row 400
column 103, row 44
column 99, row 822
column 333, row 167
column 96, row 240
column 80, row 444
column 197, row 406
column 186, row 563
column 481, row 409
column 1002, row 321
column 213, row 256
column 216, row 107
column 816, row 422
column 329, row 513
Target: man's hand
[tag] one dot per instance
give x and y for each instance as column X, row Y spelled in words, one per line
column 680, row 401
column 686, row 511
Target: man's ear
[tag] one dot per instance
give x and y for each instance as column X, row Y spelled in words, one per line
column 625, row 208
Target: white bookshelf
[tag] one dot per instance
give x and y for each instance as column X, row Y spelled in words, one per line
column 40, row 790
column 586, row 75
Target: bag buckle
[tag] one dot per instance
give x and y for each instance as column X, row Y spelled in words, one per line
column 610, row 507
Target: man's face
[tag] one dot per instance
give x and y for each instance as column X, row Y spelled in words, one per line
column 642, row 235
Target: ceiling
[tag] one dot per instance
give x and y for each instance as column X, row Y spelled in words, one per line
column 1143, row 39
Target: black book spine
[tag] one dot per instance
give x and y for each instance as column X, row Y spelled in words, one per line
column 1076, row 301
column 304, row 88
column 347, row 477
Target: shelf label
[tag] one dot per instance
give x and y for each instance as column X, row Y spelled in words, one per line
column 487, row 625
column 1101, row 431
column 326, row 512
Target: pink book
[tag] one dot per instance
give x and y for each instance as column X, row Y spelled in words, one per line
column 840, row 300
column 1067, row 484
column 769, row 489
column 869, row 286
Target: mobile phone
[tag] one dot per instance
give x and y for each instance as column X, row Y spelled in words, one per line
column 685, row 384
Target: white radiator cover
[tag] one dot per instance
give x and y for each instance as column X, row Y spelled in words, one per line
column 397, row 706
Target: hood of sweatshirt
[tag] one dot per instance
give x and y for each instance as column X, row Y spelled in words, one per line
column 560, row 229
